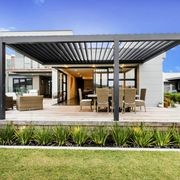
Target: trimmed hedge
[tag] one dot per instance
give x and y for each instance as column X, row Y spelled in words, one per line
column 115, row 136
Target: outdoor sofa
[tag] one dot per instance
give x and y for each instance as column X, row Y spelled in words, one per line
column 25, row 103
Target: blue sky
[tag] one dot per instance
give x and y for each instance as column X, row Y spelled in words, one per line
column 96, row 17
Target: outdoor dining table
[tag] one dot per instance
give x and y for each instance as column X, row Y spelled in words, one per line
column 94, row 97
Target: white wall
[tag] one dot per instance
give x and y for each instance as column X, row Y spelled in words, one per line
column 55, row 85
column 151, row 78
column 36, row 83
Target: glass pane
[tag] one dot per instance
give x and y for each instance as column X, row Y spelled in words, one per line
column 27, row 63
column 130, row 74
column 16, row 81
column 64, row 87
column 104, row 80
column 64, row 78
column 121, row 83
column 130, row 84
column 29, row 87
column 29, row 81
column 111, row 75
column 97, row 80
column 111, row 83
column 121, row 75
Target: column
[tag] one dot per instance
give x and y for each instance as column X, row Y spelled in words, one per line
column 2, row 80
column 55, row 85
column 116, row 80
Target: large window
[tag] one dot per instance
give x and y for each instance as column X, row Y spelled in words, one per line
column 21, row 85
column 104, row 77
column 63, row 86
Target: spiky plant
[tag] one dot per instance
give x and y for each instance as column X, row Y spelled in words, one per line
column 7, row 135
column 79, row 135
column 60, row 135
column 99, row 135
column 120, row 135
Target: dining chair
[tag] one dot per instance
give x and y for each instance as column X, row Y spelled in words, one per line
column 84, row 102
column 141, row 102
column 102, row 98
column 121, row 95
column 129, row 99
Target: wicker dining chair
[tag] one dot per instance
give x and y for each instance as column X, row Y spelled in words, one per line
column 141, row 102
column 121, row 95
column 84, row 102
column 102, row 98
column 129, row 99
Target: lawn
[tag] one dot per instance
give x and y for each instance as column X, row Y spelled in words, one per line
column 76, row 164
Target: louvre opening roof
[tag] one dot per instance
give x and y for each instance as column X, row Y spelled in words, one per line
column 92, row 49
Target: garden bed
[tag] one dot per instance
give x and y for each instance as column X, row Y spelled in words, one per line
column 115, row 136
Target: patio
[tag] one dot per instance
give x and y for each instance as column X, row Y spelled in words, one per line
column 75, row 50
column 71, row 115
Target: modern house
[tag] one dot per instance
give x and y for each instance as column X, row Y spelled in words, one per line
column 171, row 82
column 90, row 61
column 23, row 74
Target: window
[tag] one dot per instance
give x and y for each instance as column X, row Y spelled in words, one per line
column 104, row 77
column 178, row 85
column 21, row 85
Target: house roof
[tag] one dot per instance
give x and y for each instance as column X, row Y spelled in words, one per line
column 170, row 76
column 91, row 49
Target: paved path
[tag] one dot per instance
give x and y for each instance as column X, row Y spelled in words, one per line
column 90, row 148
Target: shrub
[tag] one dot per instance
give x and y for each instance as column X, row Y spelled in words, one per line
column 120, row 135
column 162, row 138
column 43, row 136
column 99, row 135
column 7, row 135
column 60, row 135
column 178, row 97
column 79, row 135
column 142, row 137
column 24, row 135
column 176, row 137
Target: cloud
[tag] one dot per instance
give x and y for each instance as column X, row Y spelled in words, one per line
column 39, row 2
column 7, row 29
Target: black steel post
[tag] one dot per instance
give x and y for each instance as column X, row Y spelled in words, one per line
column 2, row 80
column 116, row 80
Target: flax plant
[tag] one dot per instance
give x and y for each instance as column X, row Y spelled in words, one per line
column 162, row 138
column 99, row 135
column 142, row 137
column 7, row 135
column 43, row 136
column 176, row 137
column 79, row 135
column 60, row 135
column 120, row 135
column 24, row 135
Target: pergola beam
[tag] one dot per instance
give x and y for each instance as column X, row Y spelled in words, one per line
column 91, row 38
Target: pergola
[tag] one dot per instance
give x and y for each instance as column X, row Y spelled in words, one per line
column 85, row 50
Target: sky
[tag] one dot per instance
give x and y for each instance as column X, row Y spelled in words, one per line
column 96, row 17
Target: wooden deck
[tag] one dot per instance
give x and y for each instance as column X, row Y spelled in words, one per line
column 69, row 115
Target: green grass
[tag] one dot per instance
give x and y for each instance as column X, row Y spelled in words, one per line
column 69, row 164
